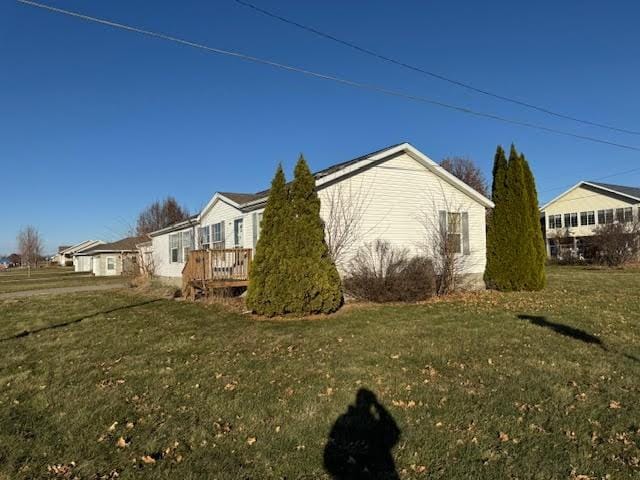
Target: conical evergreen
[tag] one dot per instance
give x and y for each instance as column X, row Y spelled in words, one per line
column 497, row 223
column 519, row 231
column 515, row 250
column 538, row 278
column 314, row 283
column 267, row 292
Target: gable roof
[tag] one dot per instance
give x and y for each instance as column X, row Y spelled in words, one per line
column 80, row 247
column 629, row 192
column 633, row 192
column 249, row 201
column 123, row 245
column 189, row 222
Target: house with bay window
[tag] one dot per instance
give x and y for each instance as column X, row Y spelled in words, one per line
column 571, row 218
column 396, row 194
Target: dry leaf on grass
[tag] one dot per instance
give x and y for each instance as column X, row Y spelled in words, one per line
column 148, row 459
column 614, row 405
column 503, row 437
column 121, row 443
column 251, row 440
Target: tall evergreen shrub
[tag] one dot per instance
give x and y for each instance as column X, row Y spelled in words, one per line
column 292, row 272
column 314, row 283
column 267, row 292
column 515, row 251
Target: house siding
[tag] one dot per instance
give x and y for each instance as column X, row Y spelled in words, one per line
column 583, row 199
column 396, row 196
column 400, row 199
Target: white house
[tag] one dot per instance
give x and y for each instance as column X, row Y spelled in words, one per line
column 65, row 255
column 572, row 217
column 116, row 258
column 396, row 194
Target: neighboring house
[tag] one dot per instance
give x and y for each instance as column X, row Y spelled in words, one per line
column 4, row 263
column 117, row 258
column 571, row 218
column 397, row 194
column 65, row 255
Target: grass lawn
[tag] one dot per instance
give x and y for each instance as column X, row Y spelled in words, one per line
column 17, row 280
column 523, row 385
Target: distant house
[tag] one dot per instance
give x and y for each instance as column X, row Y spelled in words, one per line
column 4, row 263
column 65, row 255
column 570, row 219
column 395, row 190
column 116, row 258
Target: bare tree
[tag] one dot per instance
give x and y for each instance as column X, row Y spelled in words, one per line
column 30, row 246
column 160, row 214
column 617, row 243
column 446, row 240
column 466, row 170
column 344, row 205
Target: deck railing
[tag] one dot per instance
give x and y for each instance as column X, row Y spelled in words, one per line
column 223, row 265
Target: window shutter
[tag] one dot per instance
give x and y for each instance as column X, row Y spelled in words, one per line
column 443, row 222
column 254, row 221
column 465, row 233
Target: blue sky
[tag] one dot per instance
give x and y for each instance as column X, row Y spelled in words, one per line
column 96, row 123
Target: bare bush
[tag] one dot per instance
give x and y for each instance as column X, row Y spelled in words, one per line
column 617, row 243
column 445, row 244
column 382, row 273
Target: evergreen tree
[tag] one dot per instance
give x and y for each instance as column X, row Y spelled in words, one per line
column 497, row 223
column 538, row 273
column 314, row 283
column 519, row 228
column 515, row 250
column 267, row 294
column 292, row 271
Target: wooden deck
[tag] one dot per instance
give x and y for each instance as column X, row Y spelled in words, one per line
column 207, row 270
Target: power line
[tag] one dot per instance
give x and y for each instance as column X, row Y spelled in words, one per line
column 414, row 68
column 617, row 174
column 341, row 80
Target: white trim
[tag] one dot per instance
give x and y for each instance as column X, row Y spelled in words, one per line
column 216, row 197
column 415, row 154
column 593, row 185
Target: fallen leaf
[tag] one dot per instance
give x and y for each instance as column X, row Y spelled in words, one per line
column 121, row 443
column 614, row 405
column 112, row 427
column 503, row 437
column 251, row 440
column 148, row 459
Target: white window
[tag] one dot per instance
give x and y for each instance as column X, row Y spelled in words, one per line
column 204, row 237
column 111, row 264
column 624, row 214
column 175, row 248
column 217, row 235
column 628, row 214
column 588, row 218
column 259, row 219
column 238, row 232
column 570, row 220
column 187, row 244
column 555, row 221
column 454, row 231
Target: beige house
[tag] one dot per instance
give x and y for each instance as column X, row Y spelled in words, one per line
column 396, row 194
column 571, row 218
column 116, row 258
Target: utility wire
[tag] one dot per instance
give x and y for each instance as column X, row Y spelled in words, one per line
column 414, row 68
column 343, row 81
column 616, row 174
